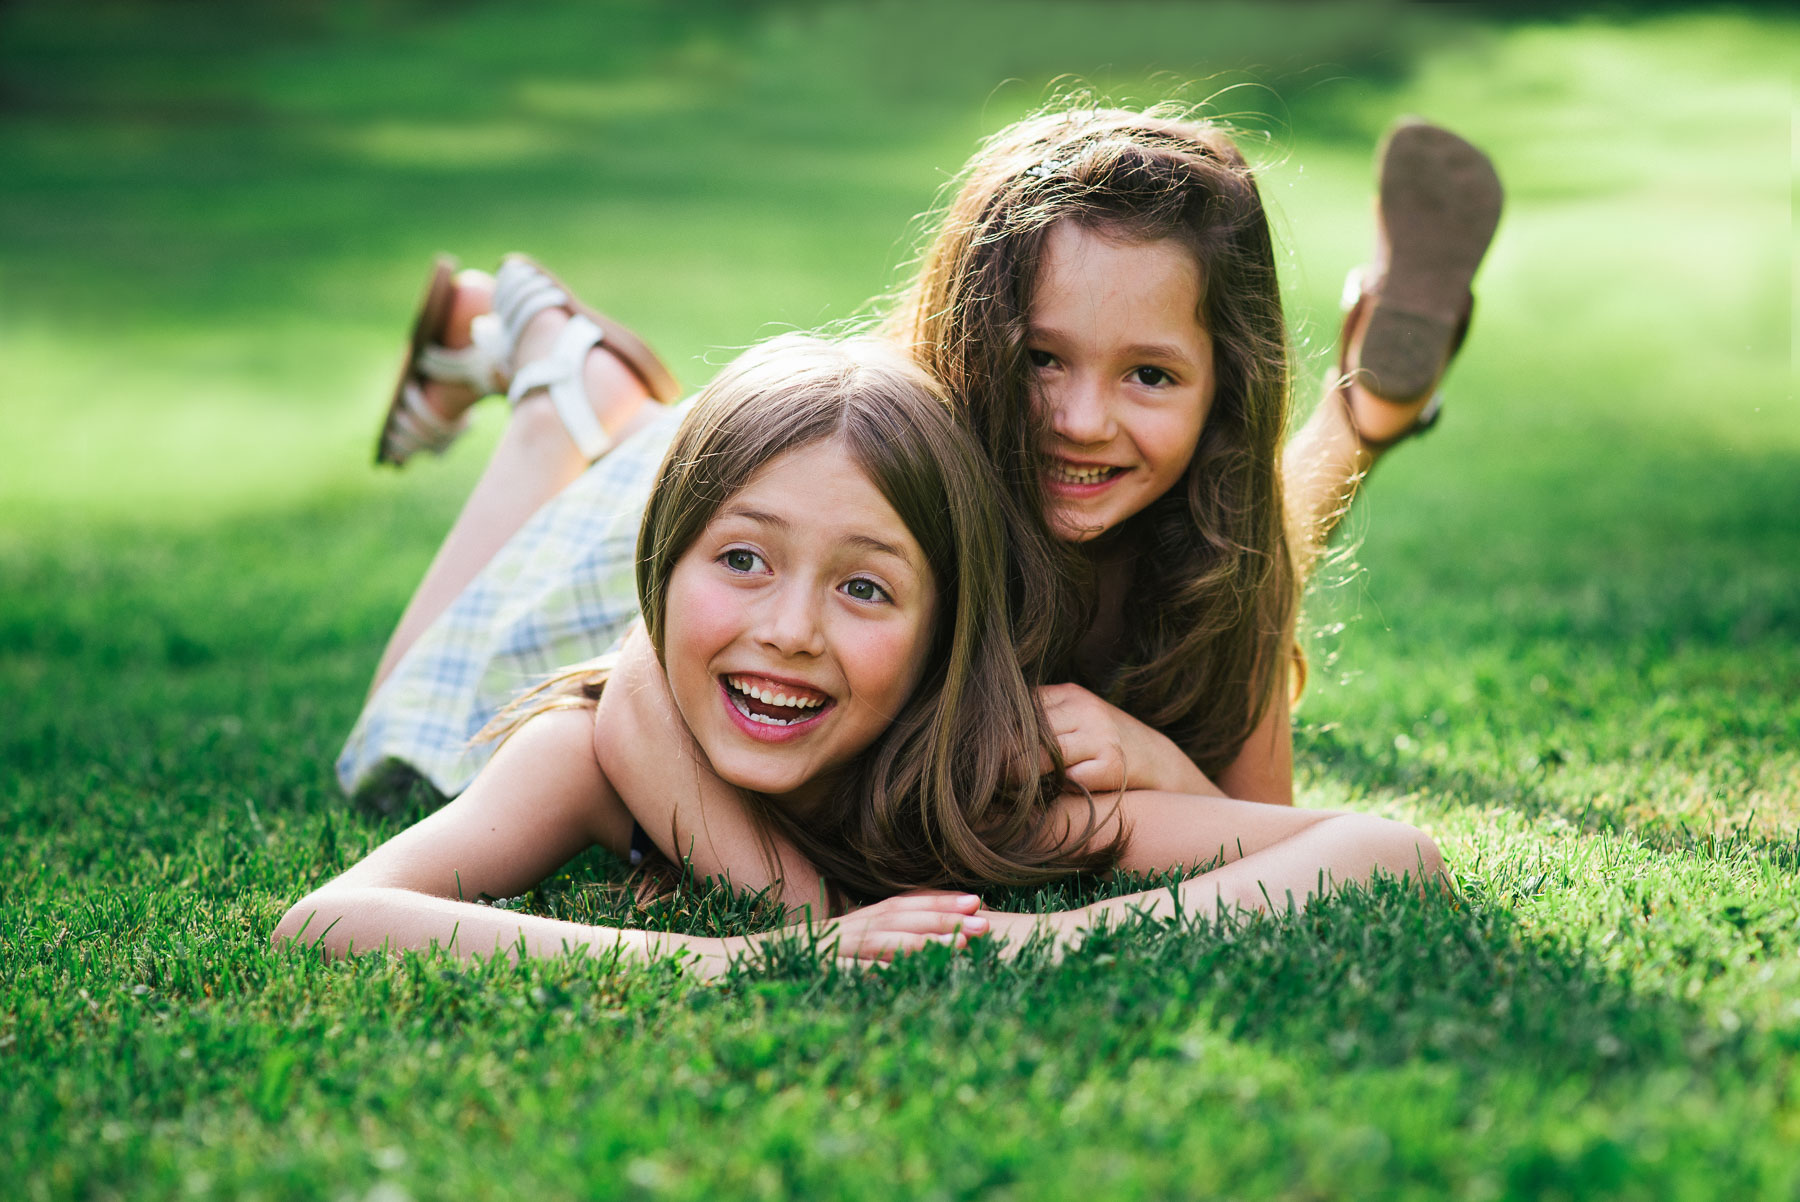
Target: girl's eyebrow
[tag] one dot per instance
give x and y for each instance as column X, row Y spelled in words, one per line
column 871, row 543
column 1168, row 352
column 754, row 515
column 1157, row 350
column 867, row 542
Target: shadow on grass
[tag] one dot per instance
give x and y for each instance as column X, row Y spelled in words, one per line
column 1371, row 976
column 1333, row 757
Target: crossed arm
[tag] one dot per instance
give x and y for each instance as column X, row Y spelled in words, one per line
column 554, row 789
column 689, row 813
column 541, row 800
column 1262, row 854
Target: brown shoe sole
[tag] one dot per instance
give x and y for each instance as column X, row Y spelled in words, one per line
column 1440, row 205
column 428, row 327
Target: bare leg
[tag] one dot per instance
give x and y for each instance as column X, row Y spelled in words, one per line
column 1438, row 204
column 534, row 460
column 1326, row 461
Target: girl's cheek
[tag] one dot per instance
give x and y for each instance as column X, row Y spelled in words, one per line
column 703, row 619
column 884, row 661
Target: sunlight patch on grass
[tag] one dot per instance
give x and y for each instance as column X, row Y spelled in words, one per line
column 452, row 146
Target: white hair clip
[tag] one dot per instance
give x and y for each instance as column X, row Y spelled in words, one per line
column 1046, row 169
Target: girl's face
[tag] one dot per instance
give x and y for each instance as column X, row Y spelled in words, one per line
column 1124, row 369
column 797, row 624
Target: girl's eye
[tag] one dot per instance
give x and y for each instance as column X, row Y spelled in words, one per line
column 866, row 590
column 739, row 560
column 1040, row 358
column 1150, row 377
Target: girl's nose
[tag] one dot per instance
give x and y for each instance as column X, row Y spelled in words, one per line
column 790, row 622
column 1080, row 415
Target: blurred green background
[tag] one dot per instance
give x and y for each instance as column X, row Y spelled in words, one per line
column 1564, row 634
column 214, row 220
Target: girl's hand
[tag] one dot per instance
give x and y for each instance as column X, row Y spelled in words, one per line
column 906, row 923
column 1106, row 750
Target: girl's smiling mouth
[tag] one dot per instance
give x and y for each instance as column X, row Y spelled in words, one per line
column 1081, row 479
column 770, row 710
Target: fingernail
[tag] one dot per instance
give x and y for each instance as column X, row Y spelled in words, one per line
column 975, row 924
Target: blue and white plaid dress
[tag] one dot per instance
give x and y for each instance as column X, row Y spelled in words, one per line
column 562, row 590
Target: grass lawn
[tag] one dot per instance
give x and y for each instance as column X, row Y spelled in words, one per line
column 1564, row 637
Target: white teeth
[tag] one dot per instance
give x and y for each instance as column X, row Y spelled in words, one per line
column 771, row 697
column 761, row 719
column 1069, row 474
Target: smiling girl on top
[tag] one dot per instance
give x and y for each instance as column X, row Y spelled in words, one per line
column 1101, row 299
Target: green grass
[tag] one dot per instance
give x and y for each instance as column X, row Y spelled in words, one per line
column 1565, row 640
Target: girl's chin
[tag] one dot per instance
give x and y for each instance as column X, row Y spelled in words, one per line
column 1073, row 526
column 779, row 784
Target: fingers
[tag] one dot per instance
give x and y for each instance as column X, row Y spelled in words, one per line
column 909, row 931
column 942, row 900
column 934, row 922
column 1024, row 769
column 1103, row 774
column 906, row 924
column 900, row 943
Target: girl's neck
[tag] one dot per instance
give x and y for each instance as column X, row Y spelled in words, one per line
column 1110, row 550
column 1111, row 557
column 808, row 800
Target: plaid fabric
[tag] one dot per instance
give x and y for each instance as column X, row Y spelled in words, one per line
column 563, row 589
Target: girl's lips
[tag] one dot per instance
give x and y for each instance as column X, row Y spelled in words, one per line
column 737, row 710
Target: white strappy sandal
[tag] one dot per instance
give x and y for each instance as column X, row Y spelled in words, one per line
column 411, row 425
column 522, row 290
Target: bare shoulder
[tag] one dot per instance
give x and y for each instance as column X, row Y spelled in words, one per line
column 1264, row 768
column 552, row 764
column 540, row 800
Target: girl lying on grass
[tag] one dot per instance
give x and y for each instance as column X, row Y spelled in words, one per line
column 820, row 567
column 1101, row 297
column 821, row 571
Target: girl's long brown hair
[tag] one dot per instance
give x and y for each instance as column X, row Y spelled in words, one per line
column 939, row 798
column 1211, row 605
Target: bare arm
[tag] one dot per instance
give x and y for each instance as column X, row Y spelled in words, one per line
column 1337, row 850
column 669, row 788
column 541, row 800
column 1266, row 854
column 1264, row 768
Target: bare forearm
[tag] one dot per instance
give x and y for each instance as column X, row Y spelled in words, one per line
column 344, row 919
column 1168, row 830
column 1336, row 850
